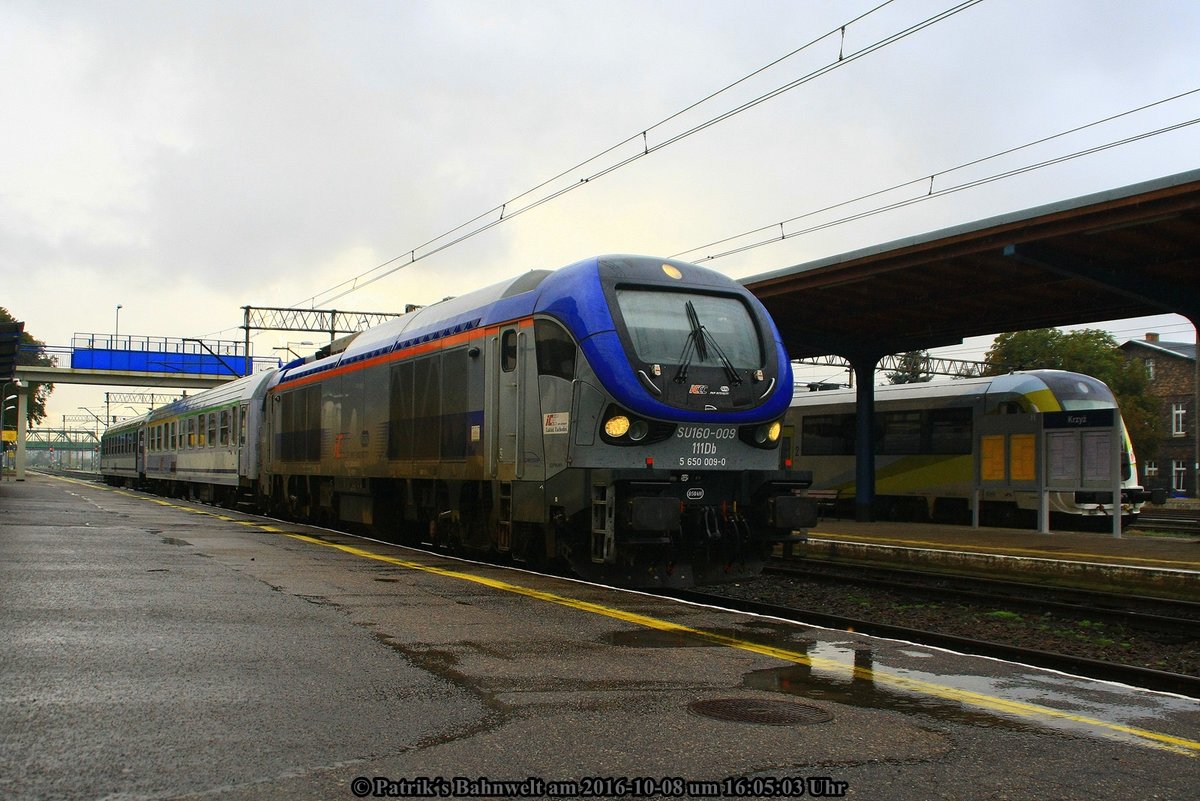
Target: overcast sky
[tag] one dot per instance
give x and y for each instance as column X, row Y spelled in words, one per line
column 184, row 159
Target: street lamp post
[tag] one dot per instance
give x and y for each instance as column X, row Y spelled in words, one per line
column 117, row 326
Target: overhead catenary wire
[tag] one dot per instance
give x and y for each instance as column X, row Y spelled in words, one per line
column 504, row 212
column 929, row 195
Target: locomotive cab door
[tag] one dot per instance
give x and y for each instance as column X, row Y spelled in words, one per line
column 506, row 440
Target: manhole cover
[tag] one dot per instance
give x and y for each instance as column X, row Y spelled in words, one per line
column 754, row 710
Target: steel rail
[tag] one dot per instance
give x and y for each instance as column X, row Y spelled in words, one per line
column 1183, row 617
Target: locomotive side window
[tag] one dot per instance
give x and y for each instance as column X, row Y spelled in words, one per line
column 456, row 385
column 401, row 412
column 300, row 425
column 659, row 327
column 508, row 351
column 427, row 428
column 555, row 349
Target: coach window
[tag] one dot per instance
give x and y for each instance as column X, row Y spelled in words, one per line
column 190, row 424
column 174, row 436
column 224, row 426
column 508, row 351
column 212, row 429
column 555, row 349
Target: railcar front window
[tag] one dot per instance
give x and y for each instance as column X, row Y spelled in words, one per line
column 659, row 327
column 1079, row 392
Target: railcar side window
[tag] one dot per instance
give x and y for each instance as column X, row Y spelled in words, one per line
column 555, row 349
column 224, row 426
column 950, row 430
column 898, row 433
column 508, row 351
column 212, row 429
column 827, row 435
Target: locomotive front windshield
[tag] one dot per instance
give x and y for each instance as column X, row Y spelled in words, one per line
column 660, row 325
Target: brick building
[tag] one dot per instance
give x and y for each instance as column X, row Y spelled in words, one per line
column 1171, row 367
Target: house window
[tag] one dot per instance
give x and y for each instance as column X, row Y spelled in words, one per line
column 1149, row 368
column 1178, row 474
column 1151, row 468
column 1178, row 420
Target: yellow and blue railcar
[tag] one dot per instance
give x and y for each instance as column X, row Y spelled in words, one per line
column 926, row 442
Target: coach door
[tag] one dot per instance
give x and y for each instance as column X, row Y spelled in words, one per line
column 507, row 437
column 245, row 450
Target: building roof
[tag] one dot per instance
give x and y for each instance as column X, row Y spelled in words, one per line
column 1185, row 350
column 1129, row 252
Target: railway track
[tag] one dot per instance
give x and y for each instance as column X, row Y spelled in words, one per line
column 1109, row 671
column 1181, row 521
column 1175, row 617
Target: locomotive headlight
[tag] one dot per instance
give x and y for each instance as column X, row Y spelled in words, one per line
column 616, row 426
column 638, row 430
column 765, row 435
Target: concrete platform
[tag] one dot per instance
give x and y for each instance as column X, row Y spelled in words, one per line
column 1132, row 563
column 156, row 649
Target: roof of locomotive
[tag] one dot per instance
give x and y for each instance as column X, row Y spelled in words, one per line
column 575, row 296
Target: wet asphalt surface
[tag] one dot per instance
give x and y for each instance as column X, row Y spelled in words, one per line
column 148, row 651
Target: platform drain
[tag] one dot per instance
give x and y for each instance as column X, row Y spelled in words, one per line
column 755, row 710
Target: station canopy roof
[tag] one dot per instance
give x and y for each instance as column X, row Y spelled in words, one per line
column 10, row 340
column 1129, row 252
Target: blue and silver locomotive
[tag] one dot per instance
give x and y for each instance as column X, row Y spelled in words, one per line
column 621, row 415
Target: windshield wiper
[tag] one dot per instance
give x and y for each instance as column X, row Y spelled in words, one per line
column 697, row 344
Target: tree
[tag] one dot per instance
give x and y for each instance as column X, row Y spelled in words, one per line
column 911, row 368
column 1091, row 352
column 31, row 353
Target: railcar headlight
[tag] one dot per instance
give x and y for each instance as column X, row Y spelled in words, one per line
column 616, row 426
column 638, row 430
column 773, row 431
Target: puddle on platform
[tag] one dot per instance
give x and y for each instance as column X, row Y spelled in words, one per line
column 174, row 541
column 857, row 687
